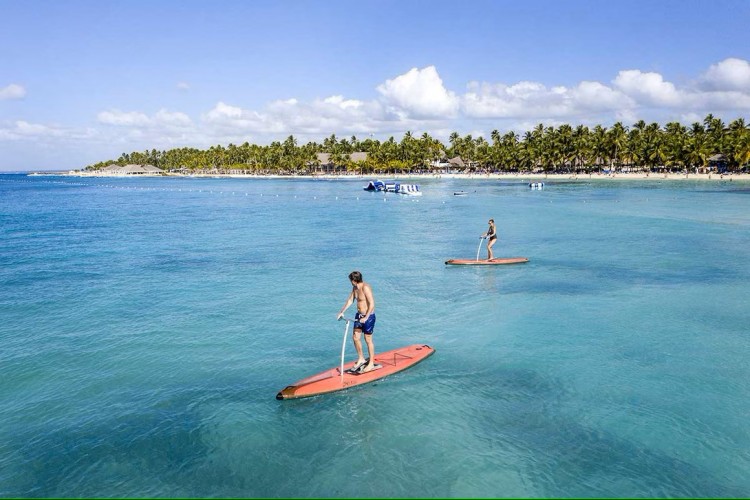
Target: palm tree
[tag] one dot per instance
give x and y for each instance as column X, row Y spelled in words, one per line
column 737, row 144
column 697, row 147
column 582, row 147
column 457, row 145
column 675, row 145
column 617, row 138
column 599, row 146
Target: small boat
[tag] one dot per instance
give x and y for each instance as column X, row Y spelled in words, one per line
column 536, row 185
column 460, row 193
column 391, row 187
column 375, row 186
column 394, row 187
column 410, row 189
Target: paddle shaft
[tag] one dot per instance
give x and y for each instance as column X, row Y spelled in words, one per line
column 481, row 239
column 343, row 350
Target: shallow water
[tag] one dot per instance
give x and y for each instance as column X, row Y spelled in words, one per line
column 148, row 324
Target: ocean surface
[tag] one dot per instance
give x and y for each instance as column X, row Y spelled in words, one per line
column 147, row 324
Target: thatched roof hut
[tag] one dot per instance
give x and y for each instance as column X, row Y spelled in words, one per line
column 152, row 169
column 132, row 169
column 457, row 162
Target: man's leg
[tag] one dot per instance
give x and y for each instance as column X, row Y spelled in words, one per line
column 357, row 338
column 371, row 350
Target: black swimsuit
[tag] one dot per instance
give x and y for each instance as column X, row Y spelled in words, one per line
column 492, row 236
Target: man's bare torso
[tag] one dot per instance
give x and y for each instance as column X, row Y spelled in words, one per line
column 361, row 297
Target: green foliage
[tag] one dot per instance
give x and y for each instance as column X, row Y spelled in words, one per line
column 560, row 149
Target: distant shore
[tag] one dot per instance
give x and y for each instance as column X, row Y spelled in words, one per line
column 625, row 176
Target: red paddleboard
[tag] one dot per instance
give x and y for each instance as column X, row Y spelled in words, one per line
column 330, row 380
column 498, row 261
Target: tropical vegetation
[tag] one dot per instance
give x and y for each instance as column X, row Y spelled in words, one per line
column 580, row 149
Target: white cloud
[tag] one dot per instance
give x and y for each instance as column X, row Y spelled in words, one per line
column 12, row 91
column 333, row 114
column 339, row 101
column 648, row 88
column 26, row 128
column 224, row 111
column 225, row 118
column 632, row 95
column 117, row 117
column 171, row 118
column 729, row 74
column 597, row 96
column 526, row 100
column 138, row 119
column 21, row 130
column 183, row 86
column 419, row 101
column 420, row 94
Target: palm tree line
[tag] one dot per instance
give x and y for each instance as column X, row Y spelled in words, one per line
column 641, row 147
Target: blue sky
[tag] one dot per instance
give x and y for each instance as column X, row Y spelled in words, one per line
column 84, row 81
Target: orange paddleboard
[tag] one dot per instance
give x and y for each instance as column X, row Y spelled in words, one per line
column 472, row 262
column 330, row 380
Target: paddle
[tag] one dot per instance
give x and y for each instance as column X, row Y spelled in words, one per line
column 481, row 239
column 343, row 346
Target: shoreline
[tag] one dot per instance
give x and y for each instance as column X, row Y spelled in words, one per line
column 741, row 177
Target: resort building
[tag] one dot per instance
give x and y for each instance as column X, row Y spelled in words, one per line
column 132, row 169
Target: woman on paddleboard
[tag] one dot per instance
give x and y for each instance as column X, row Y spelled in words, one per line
column 364, row 321
column 491, row 236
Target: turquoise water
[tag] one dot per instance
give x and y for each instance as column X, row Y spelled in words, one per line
column 147, row 325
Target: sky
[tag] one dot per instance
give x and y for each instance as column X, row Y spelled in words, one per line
column 85, row 81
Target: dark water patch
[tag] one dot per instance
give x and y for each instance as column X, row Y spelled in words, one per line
column 568, row 458
column 153, row 442
column 158, row 439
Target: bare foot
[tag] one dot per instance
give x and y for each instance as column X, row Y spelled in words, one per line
column 367, row 368
column 357, row 366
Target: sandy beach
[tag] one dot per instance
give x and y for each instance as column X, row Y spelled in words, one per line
column 733, row 177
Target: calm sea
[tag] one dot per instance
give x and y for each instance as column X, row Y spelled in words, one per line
column 147, row 324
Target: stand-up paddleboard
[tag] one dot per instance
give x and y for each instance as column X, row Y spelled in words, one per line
column 332, row 380
column 485, row 262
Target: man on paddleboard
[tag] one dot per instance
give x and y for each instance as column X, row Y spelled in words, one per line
column 364, row 321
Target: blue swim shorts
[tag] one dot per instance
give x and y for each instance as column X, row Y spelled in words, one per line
column 368, row 326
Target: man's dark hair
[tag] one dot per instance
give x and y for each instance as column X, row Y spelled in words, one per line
column 355, row 276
